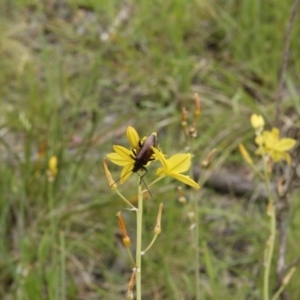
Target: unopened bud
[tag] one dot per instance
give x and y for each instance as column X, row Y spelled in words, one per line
column 125, row 238
column 183, row 117
column 207, row 160
column 181, row 198
column 197, row 105
column 157, row 229
column 129, row 294
column 42, row 150
column 245, row 154
column 193, row 131
column 111, row 182
column 257, row 122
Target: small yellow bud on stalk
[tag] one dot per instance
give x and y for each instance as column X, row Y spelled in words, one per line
column 125, row 238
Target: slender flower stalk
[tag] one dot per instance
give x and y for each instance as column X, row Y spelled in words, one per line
column 139, row 220
column 272, row 149
column 190, row 134
column 140, row 155
column 157, row 229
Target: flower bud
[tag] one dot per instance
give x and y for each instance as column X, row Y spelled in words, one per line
column 125, row 238
column 111, row 182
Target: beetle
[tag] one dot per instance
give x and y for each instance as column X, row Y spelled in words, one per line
column 144, row 154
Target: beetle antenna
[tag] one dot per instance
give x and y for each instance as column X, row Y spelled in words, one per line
column 143, row 181
column 120, row 178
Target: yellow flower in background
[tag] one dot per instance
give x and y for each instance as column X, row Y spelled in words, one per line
column 125, row 157
column 257, row 121
column 52, row 168
column 174, row 166
column 271, row 144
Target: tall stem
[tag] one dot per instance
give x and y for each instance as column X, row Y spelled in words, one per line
column 139, row 219
column 196, row 240
column 196, row 233
column 271, row 241
column 269, row 249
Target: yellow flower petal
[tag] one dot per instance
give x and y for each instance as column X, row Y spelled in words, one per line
column 126, row 172
column 270, row 138
column 179, row 163
column 277, row 156
column 288, row 158
column 259, row 140
column 175, row 165
column 185, row 179
column 285, row 144
column 117, row 159
column 161, row 158
column 123, row 152
column 132, row 137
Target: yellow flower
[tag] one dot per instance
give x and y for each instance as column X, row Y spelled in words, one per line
column 52, row 168
column 276, row 148
column 175, row 165
column 125, row 157
column 257, row 121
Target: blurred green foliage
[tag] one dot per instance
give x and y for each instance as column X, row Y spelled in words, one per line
column 73, row 76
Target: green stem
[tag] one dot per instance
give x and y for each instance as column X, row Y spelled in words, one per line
column 122, row 197
column 271, row 241
column 150, row 245
column 196, row 233
column 51, row 209
column 270, row 249
column 196, row 241
column 139, row 218
column 276, row 296
column 63, row 266
column 156, row 180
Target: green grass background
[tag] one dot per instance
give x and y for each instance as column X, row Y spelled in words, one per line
column 67, row 91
